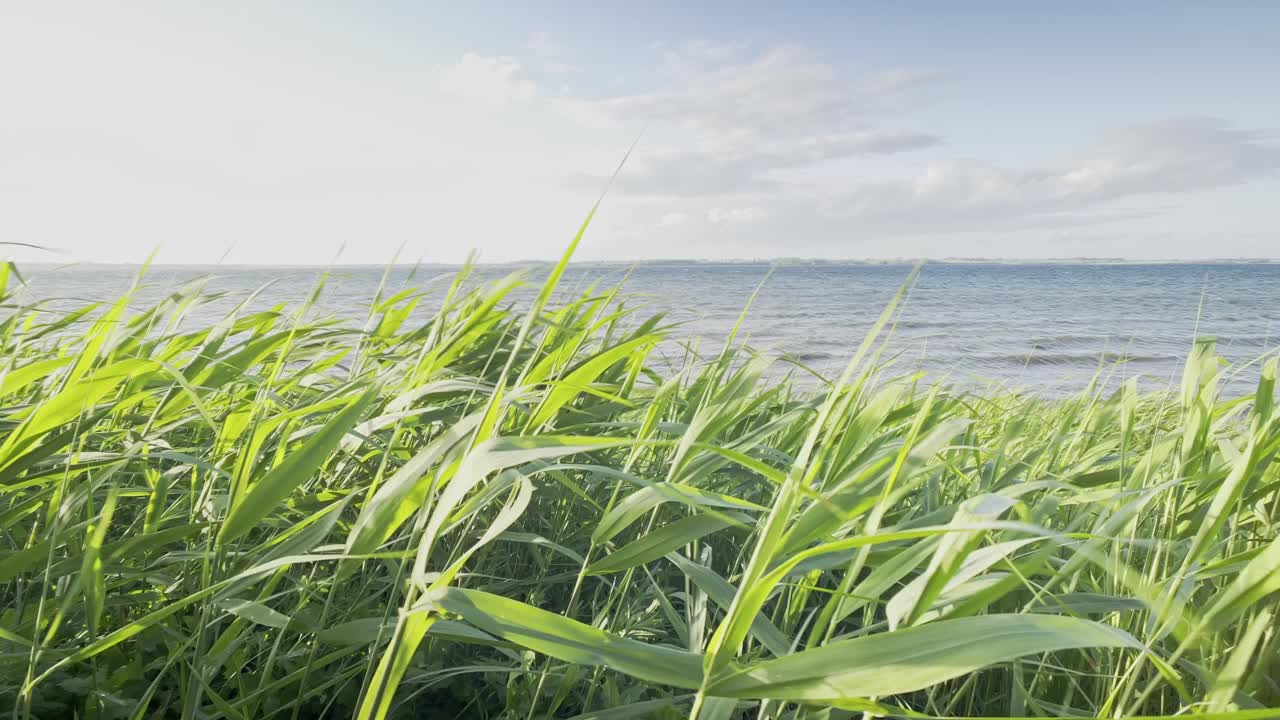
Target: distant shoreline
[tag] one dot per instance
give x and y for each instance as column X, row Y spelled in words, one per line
column 766, row 262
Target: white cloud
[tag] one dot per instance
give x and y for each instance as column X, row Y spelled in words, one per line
column 785, row 89
column 755, row 167
column 731, row 123
column 493, row 80
column 673, row 219
column 1172, row 156
column 1142, row 191
column 737, row 215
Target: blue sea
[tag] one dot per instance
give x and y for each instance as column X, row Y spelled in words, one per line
column 1042, row 327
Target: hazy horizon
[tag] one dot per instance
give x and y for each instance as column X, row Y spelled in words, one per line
column 781, row 260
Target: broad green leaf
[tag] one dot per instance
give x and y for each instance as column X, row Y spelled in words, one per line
column 912, row 658
column 412, row 626
column 657, row 543
column 640, row 502
column 1227, row 683
column 405, row 491
column 1086, row 604
column 75, row 399
column 569, row 640
column 18, row 378
column 405, row 639
column 1259, row 578
column 952, row 562
column 91, row 571
column 266, row 494
column 564, row 390
column 721, row 592
column 254, row 612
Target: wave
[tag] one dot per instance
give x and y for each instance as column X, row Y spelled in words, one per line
column 953, row 324
column 1259, row 341
column 809, row 356
column 1065, row 359
column 1073, row 340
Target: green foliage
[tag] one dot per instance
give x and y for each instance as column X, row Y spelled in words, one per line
column 477, row 507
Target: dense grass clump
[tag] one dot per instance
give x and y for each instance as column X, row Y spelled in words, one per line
column 541, row 510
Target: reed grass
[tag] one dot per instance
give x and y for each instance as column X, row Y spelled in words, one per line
column 495, row 509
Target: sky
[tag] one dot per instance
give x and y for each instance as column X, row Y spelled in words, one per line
column 359, row 132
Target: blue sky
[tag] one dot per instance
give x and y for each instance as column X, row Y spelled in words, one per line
column 287, row 133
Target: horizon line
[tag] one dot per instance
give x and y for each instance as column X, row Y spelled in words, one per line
column 796, row 261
